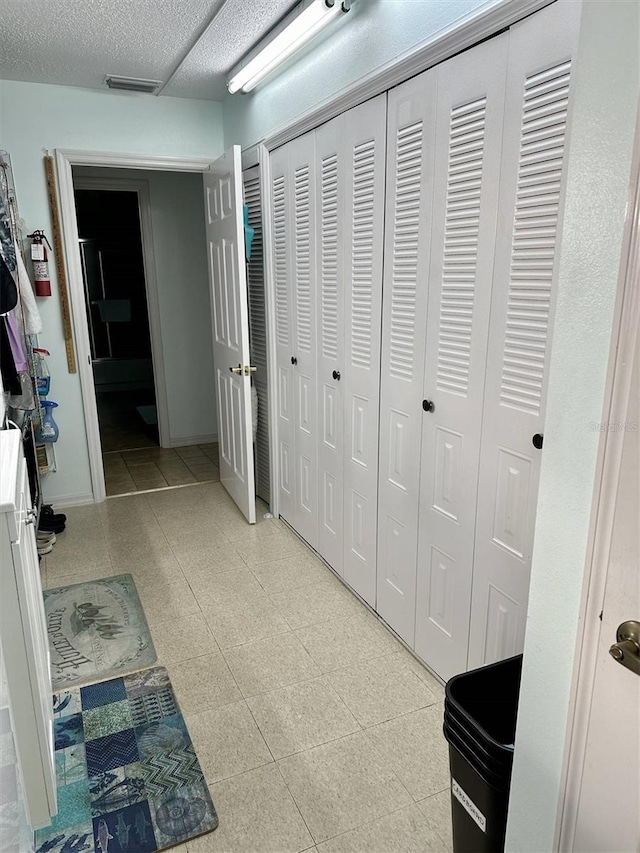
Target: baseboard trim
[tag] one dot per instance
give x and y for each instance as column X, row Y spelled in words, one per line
column 184, row 441
column 69, row 500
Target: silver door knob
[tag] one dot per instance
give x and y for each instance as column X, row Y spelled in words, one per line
column 627, row 650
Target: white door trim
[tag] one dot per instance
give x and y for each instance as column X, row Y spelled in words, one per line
column 65, row 159
column 78, row 157
column 463, row 33
column 141, row 188
column 618, row 386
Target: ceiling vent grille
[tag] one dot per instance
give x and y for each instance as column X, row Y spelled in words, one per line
column 132, row 84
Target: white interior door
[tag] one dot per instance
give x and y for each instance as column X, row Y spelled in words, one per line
column 410, row 144
column 230, row 313
column 523, row 296
column 302, row 219
column 285, row 359
column 330, row 182
column 365, row 135
column 609, row 798
column 469, row 121
column 293, row 191
column 606, row 767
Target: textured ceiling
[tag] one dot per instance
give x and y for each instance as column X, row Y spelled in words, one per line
column 189, row 45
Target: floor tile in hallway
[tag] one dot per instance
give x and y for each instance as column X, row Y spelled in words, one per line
column 146, row 468
column 315, row 728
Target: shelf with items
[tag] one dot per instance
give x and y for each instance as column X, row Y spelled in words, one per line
column 25, row 404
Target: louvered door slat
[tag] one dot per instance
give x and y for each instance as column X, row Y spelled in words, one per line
column 532, row 184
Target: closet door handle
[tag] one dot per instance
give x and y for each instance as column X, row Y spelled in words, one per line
column 294, row 360
column 336, row 375
column 428, row 405
column 537, row 440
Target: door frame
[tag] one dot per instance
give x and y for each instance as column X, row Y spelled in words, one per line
column 618, row 384
column 65, row 159
column 141, row 188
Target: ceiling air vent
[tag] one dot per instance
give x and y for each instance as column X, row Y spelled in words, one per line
column 132, row 84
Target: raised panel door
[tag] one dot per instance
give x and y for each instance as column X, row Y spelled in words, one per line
column 469, row 121
column 407, row 239
column 537, row 109
column 302, row 215
column 330, row 185
column 365, row 135
column 282, row 278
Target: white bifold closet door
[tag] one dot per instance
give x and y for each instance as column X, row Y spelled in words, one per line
column 526, row 260
column 474, row 190
column 294, row 235
column 445, row 130
column 468, row 141
column 350, row 163
column 410, row 150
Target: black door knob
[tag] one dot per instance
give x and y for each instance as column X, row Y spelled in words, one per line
column 428, row 406
column 537, row 440
column 294, row 360
column 336, row 374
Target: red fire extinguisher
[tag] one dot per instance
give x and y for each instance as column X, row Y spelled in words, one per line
column 40, row 263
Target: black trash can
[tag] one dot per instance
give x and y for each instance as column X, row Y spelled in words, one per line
column 480, row 711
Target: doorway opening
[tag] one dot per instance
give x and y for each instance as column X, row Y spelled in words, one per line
column 172, row 217
column 144, row 279
column 113, row 273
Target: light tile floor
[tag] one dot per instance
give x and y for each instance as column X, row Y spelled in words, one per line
column 315, row 728
column 147, row 468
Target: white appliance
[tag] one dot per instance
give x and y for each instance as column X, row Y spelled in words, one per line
column 23, row 635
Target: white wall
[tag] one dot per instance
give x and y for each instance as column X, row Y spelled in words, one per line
column 600, row 154
column 179, row 243
column 35, row 118
column 373, row 34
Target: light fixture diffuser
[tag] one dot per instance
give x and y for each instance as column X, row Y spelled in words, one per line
column 296, row 30
column 132, row 84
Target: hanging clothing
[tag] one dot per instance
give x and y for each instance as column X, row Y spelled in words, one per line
column 30, row 311
column 10, row 379
column 15, row 342
column 8, row 289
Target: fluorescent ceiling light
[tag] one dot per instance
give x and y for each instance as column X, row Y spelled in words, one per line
column 132, row 84
column 298, row 28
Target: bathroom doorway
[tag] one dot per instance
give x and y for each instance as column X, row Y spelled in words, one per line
column 113, row 270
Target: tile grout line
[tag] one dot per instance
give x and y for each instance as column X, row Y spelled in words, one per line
column 378, row 756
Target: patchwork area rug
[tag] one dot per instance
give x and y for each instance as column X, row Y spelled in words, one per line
column 128, row 777
column 96, row 630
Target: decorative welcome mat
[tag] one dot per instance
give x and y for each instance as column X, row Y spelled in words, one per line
column 96, row 630
column 127, row 774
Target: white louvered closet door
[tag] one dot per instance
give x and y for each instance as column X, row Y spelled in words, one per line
column 258, row 331
column 302, row 215
column 282, row 275
column 530, row 207
column 469, row 122
column 365, row 136
column 409, row 181
column 330, row 185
